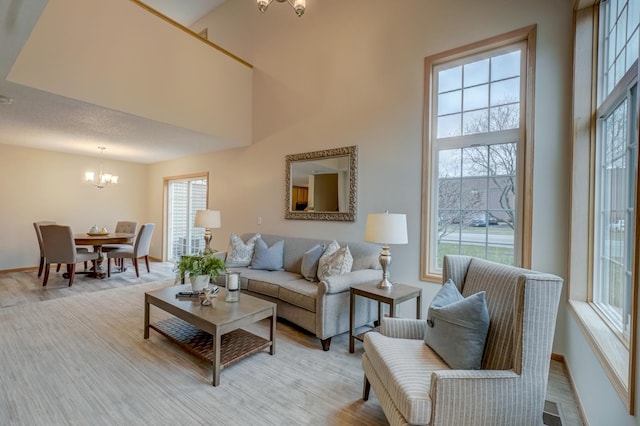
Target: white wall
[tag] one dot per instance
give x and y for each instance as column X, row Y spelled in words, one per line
column 351, row 73
column 40, row 185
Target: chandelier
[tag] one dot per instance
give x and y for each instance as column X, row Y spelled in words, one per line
column 102, row 179
column 297, row 5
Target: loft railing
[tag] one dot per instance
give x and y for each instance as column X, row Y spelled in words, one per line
column 191, row 33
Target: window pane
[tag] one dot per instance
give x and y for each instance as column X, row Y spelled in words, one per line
column 620, row 42
column 616, row 189
column 476, row 210
column 476, row 73
column 505, row 91
column 504, row 117
column 449, row 126
column 450, row 79
column 621, row 32
column 449, row 163
column 450, row 102
column 634, row 16
column 476, row 97
column 475, row 122
column 505, row 66
column 632, row 54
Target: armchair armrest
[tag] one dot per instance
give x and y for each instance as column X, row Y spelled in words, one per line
column 340, row 283
column 403, row 328
column 496, row 391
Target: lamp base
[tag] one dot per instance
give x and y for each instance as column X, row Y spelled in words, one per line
column 385, row 263
column 207, row 241
column 385, row 284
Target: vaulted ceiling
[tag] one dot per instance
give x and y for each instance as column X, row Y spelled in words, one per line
column 43, row 119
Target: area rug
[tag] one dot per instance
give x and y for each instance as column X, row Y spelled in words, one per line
column 83, row 360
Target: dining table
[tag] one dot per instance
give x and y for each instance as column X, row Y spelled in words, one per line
column 97, row 240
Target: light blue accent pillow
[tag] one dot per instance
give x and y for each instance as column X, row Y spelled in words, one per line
column 268, row 258
column 457, row 327
column 310, row 259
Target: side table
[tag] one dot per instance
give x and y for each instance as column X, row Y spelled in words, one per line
column 394, row 296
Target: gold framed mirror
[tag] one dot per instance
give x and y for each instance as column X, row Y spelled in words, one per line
column 322, row 185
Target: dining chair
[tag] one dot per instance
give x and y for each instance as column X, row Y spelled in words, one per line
column 135, row 252
column 60, row 247
column 37, row 226
column 122, row 226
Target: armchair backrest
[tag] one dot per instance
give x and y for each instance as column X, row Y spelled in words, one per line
column 523, row 306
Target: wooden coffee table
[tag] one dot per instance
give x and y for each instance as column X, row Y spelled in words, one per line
column 212, row 333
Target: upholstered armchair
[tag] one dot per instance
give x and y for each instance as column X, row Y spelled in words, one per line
column 416, row 386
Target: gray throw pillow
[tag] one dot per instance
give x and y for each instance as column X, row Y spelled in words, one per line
column 310, row 259
column 268, row 258
column 240, row 253
column 457, row 327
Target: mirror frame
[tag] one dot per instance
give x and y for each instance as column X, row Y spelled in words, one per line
column 350, row 214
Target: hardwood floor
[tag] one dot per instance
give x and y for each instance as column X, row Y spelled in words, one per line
column 24, row 287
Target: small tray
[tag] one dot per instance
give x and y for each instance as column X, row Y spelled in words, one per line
column 97, row 234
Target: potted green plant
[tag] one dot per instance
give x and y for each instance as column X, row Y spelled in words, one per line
column 200, row 268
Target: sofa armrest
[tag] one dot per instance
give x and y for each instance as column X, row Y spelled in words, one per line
column 341, row 283
column 403, row 328
column 220, row 254
column 496, row 391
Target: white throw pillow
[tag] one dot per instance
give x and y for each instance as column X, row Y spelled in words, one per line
column 337, row 262
column 240, row 253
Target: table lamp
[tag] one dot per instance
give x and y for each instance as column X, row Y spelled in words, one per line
column 207, row 219
column 386, row 228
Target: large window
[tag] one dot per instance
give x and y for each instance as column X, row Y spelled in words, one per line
column 476, row 148
column 603, row 268
column 616, row 163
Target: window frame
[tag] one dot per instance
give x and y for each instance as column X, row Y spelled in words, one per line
column 524, row 168
column 617, row 357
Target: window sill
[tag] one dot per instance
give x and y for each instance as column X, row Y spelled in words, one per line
column 612, row 354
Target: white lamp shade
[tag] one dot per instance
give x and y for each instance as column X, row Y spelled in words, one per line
column 386, row 228
column 207, row 219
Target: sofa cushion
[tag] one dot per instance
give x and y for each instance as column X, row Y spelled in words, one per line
column 310, row 260
column 457, row 327
column 268, row 282
column 405, row 366
column 268, row 258
column 337, row 262
column 240, row 253
column 300, row 293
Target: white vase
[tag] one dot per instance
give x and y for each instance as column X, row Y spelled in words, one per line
column 199, row 282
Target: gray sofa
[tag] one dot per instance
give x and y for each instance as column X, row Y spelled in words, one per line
column 321, row 308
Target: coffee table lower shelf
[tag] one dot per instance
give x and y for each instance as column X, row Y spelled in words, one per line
column 235, row 345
